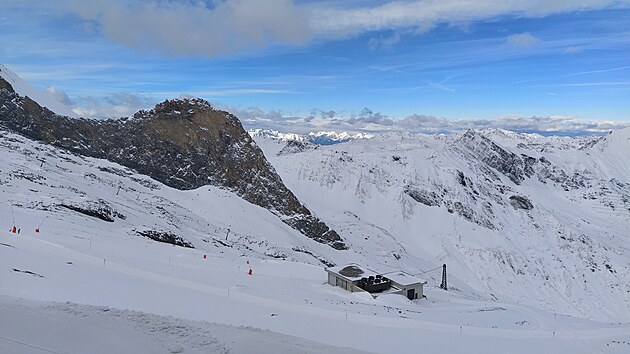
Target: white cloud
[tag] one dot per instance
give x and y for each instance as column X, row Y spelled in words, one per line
column 366, row 120
column 599, row 71
column 384, row 42
column 369, row 121
column 573, row 50
column 60, row 96
column 422, row 14
column 122, row 104
column 192, row 28
column 522, row 40
column 219, row 27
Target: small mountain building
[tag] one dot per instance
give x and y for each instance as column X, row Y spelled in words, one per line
column 409, row 285
column 356, row 278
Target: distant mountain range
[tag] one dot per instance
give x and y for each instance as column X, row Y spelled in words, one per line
column 521, row 218
column 538, row 220
column 318, row 138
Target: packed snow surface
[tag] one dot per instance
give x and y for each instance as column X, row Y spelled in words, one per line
column 88, row 282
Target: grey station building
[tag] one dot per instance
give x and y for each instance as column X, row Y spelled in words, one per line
column 356, row 278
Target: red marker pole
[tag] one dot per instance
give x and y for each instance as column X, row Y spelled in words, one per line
column 40, row 225
column 204, row 256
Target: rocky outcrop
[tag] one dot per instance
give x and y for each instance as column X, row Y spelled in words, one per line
column 294, row 147
column 520, row 202
column 185, row 144
column 166, row 237
column 484, row 150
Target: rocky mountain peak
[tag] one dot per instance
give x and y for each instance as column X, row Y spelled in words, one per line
column 183, row 143
column 182, row 105
column 482, row 149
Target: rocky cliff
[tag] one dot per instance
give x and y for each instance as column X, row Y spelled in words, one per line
column 185, row 144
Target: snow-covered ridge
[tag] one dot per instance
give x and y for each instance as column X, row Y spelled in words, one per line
column 331, row 137
column 276, row 135
column 534, row 141
column 528, row 262
column 44, row 98
column 506, row 211
column 319, row 138
column 113, row 290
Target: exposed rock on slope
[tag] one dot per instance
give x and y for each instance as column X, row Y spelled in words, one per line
column 483, row 149
column 504, row 215
column 185, row 144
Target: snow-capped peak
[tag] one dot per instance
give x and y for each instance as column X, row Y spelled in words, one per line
column 43, row 98
column 276, row 135
column 319, row 138
column 502, row 134
column 331, row 137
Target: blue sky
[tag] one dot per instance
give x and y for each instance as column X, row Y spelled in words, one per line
column 419, row 65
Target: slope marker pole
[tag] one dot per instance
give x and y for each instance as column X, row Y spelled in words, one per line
column 12, row 215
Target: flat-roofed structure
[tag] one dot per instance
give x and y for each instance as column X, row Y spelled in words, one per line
column 354, row 277
column 410, row 286
column 347, row 277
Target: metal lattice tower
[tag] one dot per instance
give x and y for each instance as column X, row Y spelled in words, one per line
column 443, row 285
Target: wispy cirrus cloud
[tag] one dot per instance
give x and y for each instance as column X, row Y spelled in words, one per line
column 421, row 14
column 215, row 28
column 599, row 71
column 573, row 50
column 224, row 92
column 384, row 42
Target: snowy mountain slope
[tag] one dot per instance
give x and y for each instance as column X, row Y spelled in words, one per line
column 54, row 186
column 87, row 260
column 546, row 228
column 184, row 143
column 509, row 226
column 45, row 99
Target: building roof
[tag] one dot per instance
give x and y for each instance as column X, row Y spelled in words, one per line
column 403, row 278
column 352, row 271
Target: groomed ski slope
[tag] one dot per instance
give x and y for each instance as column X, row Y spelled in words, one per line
column 82, row 280
column 283, row 297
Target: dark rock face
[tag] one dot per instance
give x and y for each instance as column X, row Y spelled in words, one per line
column 184, row 144
column 519, row 202
column 514, row 167
column 294, row 147
column 98, row 209
column 518, row 168
column 166, row 237
column 423, row 196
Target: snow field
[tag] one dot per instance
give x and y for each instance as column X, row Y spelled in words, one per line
column 123, row 283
